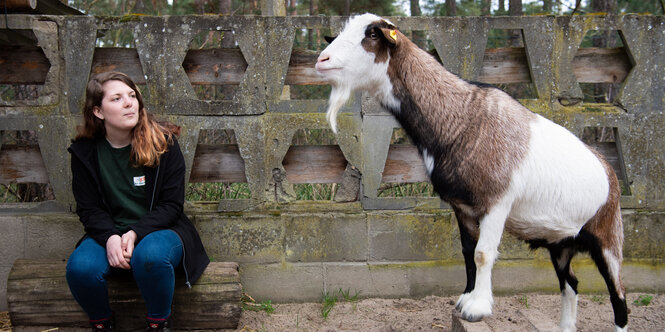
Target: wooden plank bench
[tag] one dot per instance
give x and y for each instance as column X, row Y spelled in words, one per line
column 38, row 299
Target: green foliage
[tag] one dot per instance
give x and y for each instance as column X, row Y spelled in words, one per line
column 330, row 299
column 418, row 189
column 249, row 304
column 524, row 301
column 314, row 137
column 315, row 191
column 9, row 193
column 643, row 300
column 378, row 7
column 216, row 191
column 598, row 299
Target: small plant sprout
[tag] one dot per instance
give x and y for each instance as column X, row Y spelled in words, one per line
column 249, row 304
column 329, row 301
column 524, row 301
column 643, row 300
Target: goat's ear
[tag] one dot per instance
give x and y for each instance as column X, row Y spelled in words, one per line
column 391, row 35
column 329, row 39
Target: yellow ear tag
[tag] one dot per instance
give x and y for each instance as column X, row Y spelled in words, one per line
column 393, row 34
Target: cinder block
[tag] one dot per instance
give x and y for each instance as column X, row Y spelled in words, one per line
column 283, row 282
column 250, row 239
column 12, row 240
column 436, row 278
column 52, row 235
column 460, row 325
column 382, row 280
column 413, row 237
column 325, row 238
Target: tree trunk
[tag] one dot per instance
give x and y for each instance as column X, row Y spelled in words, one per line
column 418, row 37
column 291, row 9
column 225, row 7
column 451, row 8
column 605, row 6
column 415, row 8
column 485, row 7
column 347, row 8
column 515, row 36
column 547, row 6
column 310, row 32
column 502, row 7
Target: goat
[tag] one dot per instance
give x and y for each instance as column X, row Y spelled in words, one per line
column 499, row 165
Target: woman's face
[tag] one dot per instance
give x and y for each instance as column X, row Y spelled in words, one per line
column 119, row 109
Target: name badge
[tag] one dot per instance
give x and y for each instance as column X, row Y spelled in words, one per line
column 139, row 181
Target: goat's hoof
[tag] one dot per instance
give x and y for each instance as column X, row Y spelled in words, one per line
column 462, row 301
column 476, row 309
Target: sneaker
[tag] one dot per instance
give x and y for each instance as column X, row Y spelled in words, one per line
column 158, row 324
column 103, row 325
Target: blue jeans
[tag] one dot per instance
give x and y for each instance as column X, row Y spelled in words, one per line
column 153, row 262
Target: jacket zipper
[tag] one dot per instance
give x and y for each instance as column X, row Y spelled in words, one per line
column 152, row 201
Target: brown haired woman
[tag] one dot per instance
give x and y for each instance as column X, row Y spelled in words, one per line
column 128, row 181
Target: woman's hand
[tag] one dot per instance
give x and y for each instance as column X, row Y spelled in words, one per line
column 127, row 244
column 114, row 253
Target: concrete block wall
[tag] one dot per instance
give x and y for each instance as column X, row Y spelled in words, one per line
column 294, row 251
column 296, row 256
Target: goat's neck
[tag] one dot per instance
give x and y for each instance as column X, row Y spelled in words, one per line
column 432, row 101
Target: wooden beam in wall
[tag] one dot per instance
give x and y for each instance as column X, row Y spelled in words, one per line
column 28, row 65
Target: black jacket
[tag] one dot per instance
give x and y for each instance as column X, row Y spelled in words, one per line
column 165, row 196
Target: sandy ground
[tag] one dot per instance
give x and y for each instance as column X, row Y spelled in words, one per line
column 433, row 313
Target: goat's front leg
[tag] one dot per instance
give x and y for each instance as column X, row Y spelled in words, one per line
column 468, row 229
column 478, row 303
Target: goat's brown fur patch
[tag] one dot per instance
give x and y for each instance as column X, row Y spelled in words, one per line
column 474, row 131
column 378, row 44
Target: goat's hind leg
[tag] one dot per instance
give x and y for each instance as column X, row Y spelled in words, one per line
column 561, row 257
column 479, row 301
column 609, row 266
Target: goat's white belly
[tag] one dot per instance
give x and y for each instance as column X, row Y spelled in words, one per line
column 559, row 186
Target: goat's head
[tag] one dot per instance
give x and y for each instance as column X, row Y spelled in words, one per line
column 357, row 59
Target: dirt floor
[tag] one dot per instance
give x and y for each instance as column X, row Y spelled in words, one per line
column 433, row 313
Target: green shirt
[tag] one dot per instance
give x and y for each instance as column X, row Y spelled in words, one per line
column 123, row 185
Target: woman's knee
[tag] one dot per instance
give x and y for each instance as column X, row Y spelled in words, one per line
column 156, row 250
column 85, row 271
column 87, row 263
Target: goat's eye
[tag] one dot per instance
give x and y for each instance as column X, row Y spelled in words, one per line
column 373, row 35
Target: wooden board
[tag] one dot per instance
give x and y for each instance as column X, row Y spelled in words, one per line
column 38, row 295
column 28, row 65
column 22, row 164
column 303, row 164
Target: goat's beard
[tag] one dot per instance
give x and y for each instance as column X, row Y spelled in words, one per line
column 338, row 97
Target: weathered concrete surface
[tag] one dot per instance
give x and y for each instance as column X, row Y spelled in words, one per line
column 295, row 255
column 264, row 121
column 380, row 246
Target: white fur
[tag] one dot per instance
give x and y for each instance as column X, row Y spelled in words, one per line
column 568, row 309
column 564, row 258
column 614, row 268
column 344, row 60
column 479, row 302
column 428, row 160
column 553, row 192
column 559, row 186
column 619, row 329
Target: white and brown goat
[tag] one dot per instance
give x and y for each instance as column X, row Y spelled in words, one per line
column 499, row 165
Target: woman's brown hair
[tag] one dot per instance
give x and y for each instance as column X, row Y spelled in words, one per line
column 150, row 138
